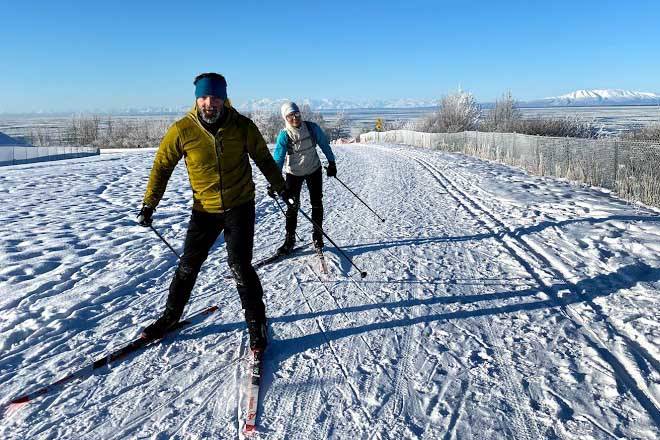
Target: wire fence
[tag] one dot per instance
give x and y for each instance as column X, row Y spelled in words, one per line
column 631, row 169
column 16, row 155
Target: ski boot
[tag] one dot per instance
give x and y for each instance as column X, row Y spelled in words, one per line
column 162, row 325
column 318, row 242
column 287, row 247
column 258, row 334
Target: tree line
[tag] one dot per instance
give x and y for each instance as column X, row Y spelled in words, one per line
column 456, row 112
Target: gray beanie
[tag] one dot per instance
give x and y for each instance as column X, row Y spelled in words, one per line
column 287, row 108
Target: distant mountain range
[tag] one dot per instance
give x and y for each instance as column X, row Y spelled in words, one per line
column 590, row 98
column 336, row 104
column 579, row 98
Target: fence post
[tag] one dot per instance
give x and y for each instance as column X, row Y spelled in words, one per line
column 616, row 164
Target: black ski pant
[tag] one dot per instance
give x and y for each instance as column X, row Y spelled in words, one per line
column 203, row 230
column 314, row 183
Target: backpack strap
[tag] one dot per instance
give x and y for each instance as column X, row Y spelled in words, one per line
column 312, row 134
column 289, row 148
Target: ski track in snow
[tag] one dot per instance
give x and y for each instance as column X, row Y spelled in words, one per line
column 623, row 373
column 497, row 305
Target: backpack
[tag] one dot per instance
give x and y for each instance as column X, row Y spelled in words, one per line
column 312, row 134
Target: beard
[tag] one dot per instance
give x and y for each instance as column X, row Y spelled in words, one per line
column 210, row 115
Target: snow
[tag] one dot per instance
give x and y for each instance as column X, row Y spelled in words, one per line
column 600, row 97
column 8, row 141
column 497, row 305
column 604, row 94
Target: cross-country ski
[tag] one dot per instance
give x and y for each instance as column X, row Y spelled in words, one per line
column 249, row 411
column 138, row 343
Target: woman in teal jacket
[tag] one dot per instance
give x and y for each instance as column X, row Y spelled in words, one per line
column 295, row 154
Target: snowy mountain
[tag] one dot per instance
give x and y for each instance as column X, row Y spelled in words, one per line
column 578, row 98
column 273, row 104
column 597, row 97
column 335, row 104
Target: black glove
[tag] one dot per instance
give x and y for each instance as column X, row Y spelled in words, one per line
column 271, row 192
column 283, row 194
column 331, row 169
column 286, row 196
column 144, row 216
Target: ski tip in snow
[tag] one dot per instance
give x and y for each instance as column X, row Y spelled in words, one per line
column 13, row 406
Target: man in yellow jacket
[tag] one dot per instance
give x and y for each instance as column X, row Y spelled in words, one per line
column 216, row 143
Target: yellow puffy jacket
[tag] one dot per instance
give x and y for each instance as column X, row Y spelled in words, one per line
column 218, row 167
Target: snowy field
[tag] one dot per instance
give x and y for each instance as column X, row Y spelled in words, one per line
column 497, row 305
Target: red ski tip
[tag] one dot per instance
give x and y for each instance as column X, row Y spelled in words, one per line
column 15, row 406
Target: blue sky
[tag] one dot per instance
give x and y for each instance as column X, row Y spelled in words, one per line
column 102, row 55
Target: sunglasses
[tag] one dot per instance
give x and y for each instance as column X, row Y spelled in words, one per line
column 293, row 115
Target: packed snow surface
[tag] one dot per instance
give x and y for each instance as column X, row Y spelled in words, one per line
column 497, row 305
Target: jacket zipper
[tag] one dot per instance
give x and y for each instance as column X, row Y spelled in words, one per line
column 218, row 153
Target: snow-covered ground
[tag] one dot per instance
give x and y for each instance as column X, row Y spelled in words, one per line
column 497, row 305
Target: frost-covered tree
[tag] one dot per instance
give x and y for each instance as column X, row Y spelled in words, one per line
column 340, row 128
column 457, row 112
column 650, row 133
column 504, row 116
column 268, row 122
column 401, row 124
column 309, row 115
column 558, row 127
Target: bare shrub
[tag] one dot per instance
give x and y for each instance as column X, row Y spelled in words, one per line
column 650, row 133
column 114, row 133
column 557, row 127
column 82, row 131
column 340, row 128
column 40, row 137
column 133, row 133
column 309, row 115
column 503, row 117
column 268, row 122
column 400, row 124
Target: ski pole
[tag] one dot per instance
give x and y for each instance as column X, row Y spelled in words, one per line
column 362, row 273
column 165, row 241
column 284, row 214
column 357, row 197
